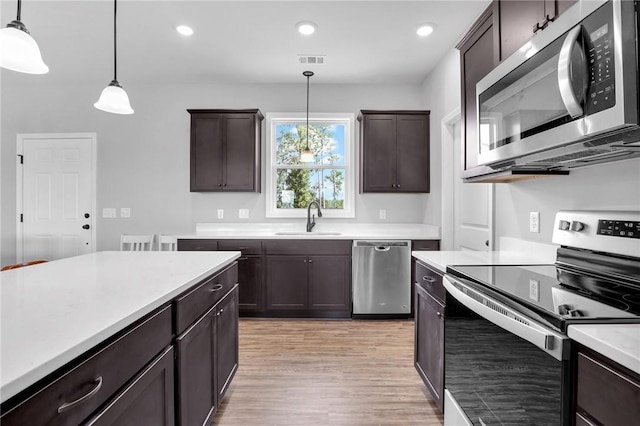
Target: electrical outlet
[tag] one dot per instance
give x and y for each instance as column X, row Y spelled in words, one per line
column 243, row 213
column 383, row 214
column 534, row 290
column 534, row 221
column 220, row 213
column 125, row 212
column 109, row 212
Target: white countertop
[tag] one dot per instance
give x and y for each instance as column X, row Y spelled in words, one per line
column 326, row 230
column 441, row 259
column 618, row 342
column 53, row 312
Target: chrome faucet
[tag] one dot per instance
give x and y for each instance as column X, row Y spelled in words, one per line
column 311, row 221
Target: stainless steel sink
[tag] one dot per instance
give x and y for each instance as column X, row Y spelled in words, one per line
column 306, row 233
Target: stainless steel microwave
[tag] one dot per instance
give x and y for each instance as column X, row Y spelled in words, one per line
column 569, row 97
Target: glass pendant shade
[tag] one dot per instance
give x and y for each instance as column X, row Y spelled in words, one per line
column 307, row 156
column 114, row 99
column 19, row 51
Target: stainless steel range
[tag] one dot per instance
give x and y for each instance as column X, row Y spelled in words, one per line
column 507, row 354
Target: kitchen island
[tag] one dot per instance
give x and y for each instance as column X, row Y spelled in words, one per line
column 58, row 316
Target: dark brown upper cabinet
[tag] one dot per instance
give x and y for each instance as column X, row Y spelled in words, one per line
column 394, row 151
column 521, row 20
column 225, row 150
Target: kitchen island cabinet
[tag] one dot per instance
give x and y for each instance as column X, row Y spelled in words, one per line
column 225, row 150
column 394, row 151
column 98, row 345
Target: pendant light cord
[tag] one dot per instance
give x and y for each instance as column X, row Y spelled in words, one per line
column 307, row 147
column 115, row 46
column 19, row 10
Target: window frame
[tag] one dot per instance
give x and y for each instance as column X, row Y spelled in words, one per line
column 272, row 119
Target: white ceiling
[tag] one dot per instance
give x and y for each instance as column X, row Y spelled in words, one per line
column 365, row 42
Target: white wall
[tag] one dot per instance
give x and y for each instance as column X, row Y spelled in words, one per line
column 613, row 186
column 143, row 159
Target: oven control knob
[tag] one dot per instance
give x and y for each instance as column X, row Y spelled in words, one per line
column 577, row 226
column 564, row 225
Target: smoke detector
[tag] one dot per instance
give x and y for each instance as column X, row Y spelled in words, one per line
column 312, row 59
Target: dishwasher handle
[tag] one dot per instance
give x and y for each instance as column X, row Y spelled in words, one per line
column 382, row 248
column 381, row 244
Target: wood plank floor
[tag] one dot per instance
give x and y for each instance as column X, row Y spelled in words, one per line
column 316, row 372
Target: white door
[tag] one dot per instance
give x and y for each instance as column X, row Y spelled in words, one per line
column 469, row 204
column 56, row 196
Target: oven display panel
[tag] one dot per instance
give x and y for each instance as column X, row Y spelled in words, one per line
column 619, row 228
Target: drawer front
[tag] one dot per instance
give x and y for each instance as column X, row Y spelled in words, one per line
column 607, row 395
column 148, row 399
column 425, row 245
column 197, row 245
column 308, row 248
column 431, row 281
column 71, row 398
column 192, row 305
column 247, row 247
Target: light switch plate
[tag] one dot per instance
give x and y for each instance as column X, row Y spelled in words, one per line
column 534, row 290
column 109, row 212
column 383, row 213
column 220, row 213
column 125, row 212
column 243, row 213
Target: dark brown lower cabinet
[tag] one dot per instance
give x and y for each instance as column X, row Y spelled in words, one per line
column 250, row 280
column 309, row 286
column 607, row 394
column 429, row 332
column 207, row 359
column 148, row 399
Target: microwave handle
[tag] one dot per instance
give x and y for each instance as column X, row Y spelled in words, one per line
column 564, row 74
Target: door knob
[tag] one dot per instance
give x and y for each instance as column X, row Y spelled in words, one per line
column 86, row 226
column 87, row 215
column 486, row 243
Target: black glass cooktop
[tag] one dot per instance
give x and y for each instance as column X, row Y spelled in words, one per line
column 559, row 295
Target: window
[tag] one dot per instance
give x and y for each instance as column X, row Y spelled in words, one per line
column 292, row 184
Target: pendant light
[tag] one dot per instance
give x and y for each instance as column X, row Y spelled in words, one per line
column 18, row 50
column 307, row 155
column 113, row 98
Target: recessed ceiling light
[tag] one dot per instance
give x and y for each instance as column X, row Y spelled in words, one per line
column 306, row 27
column 425, row 30
column 184, row 30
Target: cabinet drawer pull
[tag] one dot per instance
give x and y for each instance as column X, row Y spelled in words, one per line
column 216, row 287
column 439, row 314
column 68, row 405
column 243, row 258
column 429, row 279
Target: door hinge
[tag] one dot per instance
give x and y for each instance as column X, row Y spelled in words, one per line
column 21, row 158
column 21, row 218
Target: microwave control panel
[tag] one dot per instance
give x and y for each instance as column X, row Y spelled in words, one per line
column 599, row 49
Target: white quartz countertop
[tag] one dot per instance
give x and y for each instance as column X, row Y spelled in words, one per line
column 323, row 230
column 53, row 312
column 618, row 342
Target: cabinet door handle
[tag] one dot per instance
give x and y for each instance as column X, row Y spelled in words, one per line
column 68, row 405
column 305, row 261
column 243, row 258
column 216, row 287
column 429, row 279
column 439, row 314
column 537, row 27
column 310, row 260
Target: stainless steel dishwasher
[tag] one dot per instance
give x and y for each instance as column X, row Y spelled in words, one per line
column 381, row 278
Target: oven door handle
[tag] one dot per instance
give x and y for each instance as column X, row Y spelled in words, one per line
column 569, row 98
column 507, row 319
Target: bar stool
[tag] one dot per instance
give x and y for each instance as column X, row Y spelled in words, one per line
column 167, row 243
